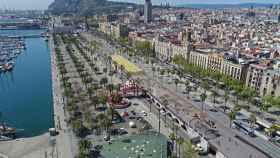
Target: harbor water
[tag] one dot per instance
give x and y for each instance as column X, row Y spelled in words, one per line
column 25, row 92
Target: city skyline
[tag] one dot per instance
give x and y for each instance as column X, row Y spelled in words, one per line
column 140, row 78
column 43, row 4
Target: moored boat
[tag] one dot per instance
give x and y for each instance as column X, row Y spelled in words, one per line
column 8, row 66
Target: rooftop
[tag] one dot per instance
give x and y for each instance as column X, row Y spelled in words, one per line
column 148, row 145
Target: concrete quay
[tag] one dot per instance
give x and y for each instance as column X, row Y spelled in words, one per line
column 64, row 140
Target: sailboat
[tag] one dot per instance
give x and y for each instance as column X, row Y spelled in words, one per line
column 6, row 132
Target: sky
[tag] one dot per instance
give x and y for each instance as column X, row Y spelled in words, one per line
column 43, row 4
column 175, row 2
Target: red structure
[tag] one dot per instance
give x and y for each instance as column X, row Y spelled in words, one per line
column 129, row 89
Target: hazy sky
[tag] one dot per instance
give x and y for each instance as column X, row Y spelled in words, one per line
column 173, row 2
column 42, row 4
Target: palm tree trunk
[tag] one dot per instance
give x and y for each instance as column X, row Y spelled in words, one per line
column 179, row 150
column 158, row 120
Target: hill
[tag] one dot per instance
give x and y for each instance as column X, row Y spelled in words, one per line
column 86, row 7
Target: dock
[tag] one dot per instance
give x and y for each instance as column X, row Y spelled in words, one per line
column 26, row 36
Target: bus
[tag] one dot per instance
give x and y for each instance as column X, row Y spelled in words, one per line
column 243, row 128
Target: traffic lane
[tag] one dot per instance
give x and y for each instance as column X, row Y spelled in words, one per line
column 224, row 131
column 143, row 66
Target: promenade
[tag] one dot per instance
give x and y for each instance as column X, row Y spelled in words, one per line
column 64, row 140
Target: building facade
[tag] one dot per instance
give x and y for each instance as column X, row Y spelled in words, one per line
column 148, row 11
column 264, row 78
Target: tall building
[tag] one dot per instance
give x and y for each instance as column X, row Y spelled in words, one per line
column 148, row 11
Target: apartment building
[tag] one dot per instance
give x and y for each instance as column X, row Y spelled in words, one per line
column 115, row 30
column 258, row 76
column 199, row 58
column 270, row 83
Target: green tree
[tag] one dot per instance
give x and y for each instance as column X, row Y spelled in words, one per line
column 189, row 150
column 179, row 141
column 205, row 86
column 232, row 116
column 176, row 82
column 110, row 88
column 252, row 120
column 84, row 146
column 95, row 101
column 272, row 130
column 172, row 137
column 214, row 94
column 78, row 127
column 203, row 98
column 111, row 112
column 88, row 118
column 145, row 48
column 103, row 81
column 153, row 70
column 187, row 88
column 266, row 102
column 102, row 99
column 226, row 98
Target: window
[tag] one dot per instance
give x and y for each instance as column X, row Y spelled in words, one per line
column 264, row 91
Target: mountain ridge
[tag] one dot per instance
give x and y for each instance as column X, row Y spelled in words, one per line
column 86, row 7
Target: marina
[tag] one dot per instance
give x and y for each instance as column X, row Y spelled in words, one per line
column 10, row 48
column 24, row 75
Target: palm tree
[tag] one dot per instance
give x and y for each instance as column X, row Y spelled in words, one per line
column 110, row 88
column 84, row 145
column 226, row 98
column 176, row 82
column 205, row 86
column 252, row 120
column 159, row 120
column 251, row 94
column 188, row 150
column 179, row 141
column 110, row 112
column 172, row 137
column 77, row 126
column 109, row 61
column 272, row 130
column 122, row 68
column 102, row 100
column 88, row 118
column 214, row 94
column 203, row 97
column 105, row 71
column 153, row 70
column 107, row 123
column 103, row 81
column 266, row 102
column 232, row 116
column 238, row 92
column 95, row 101
column 187, row 88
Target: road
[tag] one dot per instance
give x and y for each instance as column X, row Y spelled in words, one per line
column 227, row 143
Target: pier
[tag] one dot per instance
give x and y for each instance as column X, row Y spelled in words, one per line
column 25, row 36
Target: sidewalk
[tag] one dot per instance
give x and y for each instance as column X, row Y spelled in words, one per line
column 63, row 139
